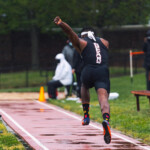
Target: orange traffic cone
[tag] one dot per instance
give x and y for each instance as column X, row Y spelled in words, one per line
column 42, row 96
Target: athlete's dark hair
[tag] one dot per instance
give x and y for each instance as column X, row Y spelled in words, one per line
column 88, row 29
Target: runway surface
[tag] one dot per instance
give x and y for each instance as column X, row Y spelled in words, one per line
column 47, row 127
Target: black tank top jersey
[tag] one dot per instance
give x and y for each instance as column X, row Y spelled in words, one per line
column 95, row 53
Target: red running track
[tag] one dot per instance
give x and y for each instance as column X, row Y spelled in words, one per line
column 47, row 127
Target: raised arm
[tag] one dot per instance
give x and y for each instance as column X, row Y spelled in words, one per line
column 73, row 37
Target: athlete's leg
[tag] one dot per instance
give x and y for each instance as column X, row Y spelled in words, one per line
column 78, row 75
column 103, row 100
column 105, row 109
column 85, row 96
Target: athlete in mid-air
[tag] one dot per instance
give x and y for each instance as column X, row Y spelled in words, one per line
column 94, row 51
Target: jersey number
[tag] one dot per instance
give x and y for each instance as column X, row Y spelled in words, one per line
column 98, row 55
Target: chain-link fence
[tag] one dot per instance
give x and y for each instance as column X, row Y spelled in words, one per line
column 25, row 76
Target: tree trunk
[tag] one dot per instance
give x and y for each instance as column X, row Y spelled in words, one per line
column 34, row 48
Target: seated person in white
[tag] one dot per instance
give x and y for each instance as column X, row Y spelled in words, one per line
column 62, row 77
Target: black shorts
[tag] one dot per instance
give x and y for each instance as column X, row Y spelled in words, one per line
column 96, row 76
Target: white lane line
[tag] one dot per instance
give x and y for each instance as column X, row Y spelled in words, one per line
column 95, row 126
column 22, row 129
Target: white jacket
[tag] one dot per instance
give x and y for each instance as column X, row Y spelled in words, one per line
column 63, row 71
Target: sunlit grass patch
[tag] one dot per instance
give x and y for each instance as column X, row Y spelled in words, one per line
column 8, row 141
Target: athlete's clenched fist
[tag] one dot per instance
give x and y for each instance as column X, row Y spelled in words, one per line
column 57, row 20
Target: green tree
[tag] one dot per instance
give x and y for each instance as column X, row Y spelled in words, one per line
column 29, row 15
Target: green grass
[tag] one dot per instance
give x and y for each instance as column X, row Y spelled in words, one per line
column 118, row 71
column 29, row 89
column 20, row 80
column 124, row 115
column 8, row 141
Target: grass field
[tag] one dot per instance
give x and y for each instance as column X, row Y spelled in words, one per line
column 21, row 79
column 124, row 116
column 8, row 141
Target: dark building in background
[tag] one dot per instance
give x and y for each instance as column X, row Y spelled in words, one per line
column 125, row 37
column 15, row 49
column 122, row 39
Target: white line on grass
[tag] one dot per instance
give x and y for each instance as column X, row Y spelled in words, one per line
column 22, row 129
column 95, row 126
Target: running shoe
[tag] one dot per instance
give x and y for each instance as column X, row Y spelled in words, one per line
column 107, row 132
column 86, row 121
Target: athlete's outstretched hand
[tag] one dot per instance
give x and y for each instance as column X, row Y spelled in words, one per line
column 57, row 20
